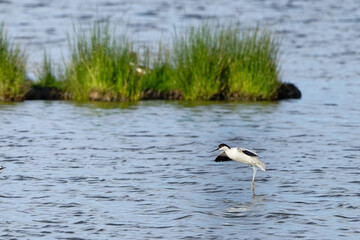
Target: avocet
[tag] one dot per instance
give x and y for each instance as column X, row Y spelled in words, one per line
column 241, row 155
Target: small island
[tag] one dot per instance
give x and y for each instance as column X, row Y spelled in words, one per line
column 207, row 62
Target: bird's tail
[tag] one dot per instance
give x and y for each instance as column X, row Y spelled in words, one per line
column 260, row 165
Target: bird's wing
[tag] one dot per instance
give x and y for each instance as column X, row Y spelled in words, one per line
column 248, row 152
column 222, row 157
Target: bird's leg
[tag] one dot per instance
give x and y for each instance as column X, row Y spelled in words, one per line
column 253, row 179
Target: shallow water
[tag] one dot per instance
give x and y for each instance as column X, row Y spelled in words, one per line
column 102, row 171
column 144, row 171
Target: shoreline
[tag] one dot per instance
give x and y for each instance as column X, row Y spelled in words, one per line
column 285, row 91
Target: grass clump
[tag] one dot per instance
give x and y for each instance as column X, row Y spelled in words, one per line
column 255, row 70
column 226, row 61
column 102, row 66
column 12, row 69
column 46, row 76
column 160, row 77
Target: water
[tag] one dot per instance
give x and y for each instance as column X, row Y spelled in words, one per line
column 144, row 171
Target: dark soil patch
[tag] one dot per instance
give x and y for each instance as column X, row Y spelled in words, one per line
column 285, row 91
column 166, row 95
column 44, row 93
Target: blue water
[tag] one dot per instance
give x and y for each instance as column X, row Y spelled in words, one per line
column 145, row 171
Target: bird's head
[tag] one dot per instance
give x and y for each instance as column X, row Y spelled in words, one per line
column 222, row 147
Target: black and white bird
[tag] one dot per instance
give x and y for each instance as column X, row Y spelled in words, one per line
column 241, row 155
column 1, row 168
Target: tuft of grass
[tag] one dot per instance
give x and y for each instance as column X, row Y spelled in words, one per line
column 46, row 76
column 12, row 69
column 104, row 64
column 254, row 72
column 211, row 60
column 198, row 61
column 160, row 77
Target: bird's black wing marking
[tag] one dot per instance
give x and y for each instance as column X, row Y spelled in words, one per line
column 249, row 153
column 222, row 157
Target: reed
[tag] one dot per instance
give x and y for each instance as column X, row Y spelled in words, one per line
column 12, row 69
column 103, row 65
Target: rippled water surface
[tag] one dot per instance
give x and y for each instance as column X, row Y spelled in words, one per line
column 145, row 171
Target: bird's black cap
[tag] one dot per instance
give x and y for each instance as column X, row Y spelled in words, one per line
column 223, row 145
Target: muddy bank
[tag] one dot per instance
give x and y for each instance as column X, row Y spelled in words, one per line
column 285, row 91
column 45, row 93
